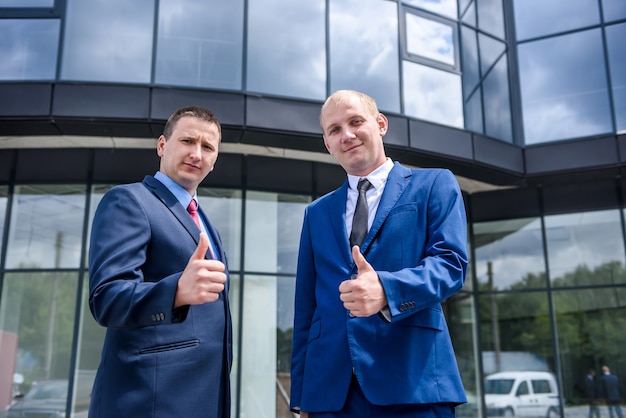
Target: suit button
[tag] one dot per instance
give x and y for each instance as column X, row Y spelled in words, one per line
column 153, row 317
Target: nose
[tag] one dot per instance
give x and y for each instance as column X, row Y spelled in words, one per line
column 196, row 151
column 348, row 135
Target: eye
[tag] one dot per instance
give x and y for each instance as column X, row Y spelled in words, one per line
column 333, row 131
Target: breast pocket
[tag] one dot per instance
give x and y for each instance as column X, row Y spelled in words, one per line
column 401, row 238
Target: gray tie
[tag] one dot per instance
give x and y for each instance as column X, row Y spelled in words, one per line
column 359, row 222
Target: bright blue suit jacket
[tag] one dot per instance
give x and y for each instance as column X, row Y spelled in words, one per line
column 156, row 361
column 417, row 245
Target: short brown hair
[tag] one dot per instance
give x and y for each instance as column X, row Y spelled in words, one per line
column 193, row 111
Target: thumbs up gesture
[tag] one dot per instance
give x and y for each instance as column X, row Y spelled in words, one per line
column 202, row 280
column 363, row 296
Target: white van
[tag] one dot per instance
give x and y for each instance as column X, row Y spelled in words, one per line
column 522, row 394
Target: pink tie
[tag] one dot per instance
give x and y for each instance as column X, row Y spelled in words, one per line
column 193, row 211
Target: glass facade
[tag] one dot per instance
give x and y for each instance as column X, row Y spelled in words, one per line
column 546, row 287
column 438, row 61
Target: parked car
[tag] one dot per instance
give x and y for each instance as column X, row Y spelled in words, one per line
column 48, row 398
column 522, row 394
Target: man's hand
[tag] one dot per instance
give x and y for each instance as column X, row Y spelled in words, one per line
column 202, row 280
column 363, row 296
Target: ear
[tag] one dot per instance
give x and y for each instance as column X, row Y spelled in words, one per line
column 383, row 124
column 160, row 145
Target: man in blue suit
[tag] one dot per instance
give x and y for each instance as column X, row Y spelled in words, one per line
column 159, row 284
column 610, row 390
column 370, row 338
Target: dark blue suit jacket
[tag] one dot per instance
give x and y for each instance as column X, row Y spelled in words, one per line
column 610, row 387
column 417, row 245
column 156, row 361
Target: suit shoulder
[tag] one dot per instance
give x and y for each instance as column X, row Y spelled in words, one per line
column 325, row 199
column 432, row 175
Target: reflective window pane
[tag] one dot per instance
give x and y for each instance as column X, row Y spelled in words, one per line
column 463, row 4
column 490, row 51
column 515, row 333
column 469, row 56
column 223, row 208
column 89, row 350
column 616, row 47
column 585, row 248
column 36, row 329
column 432, row 94
column 273, row 224
column 26, row 3
column 491, row 17
column 497, row 102
column 518, row 355
column 234, row 297
column 564, row 87
column 108, row 40
column 287, row 48
column 509, row 254
column 200, row 43
column 469, row 17
column 367, row 62
column 613, row 9
column 474, row 113
column 590, row 327
column 442, row 7
column 286, row 287
column 266, row 341
column 430, row 39
column 259, row 336
column 46, row 226
column 28, row 49
column 97, row 191
column 4, row 193
column 459, row 311
column 535, row 18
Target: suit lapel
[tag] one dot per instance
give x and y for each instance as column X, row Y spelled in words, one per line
column 397, row 182
column 170, row 201
column 337, row 217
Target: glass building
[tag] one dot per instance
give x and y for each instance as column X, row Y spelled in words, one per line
column 524, row 100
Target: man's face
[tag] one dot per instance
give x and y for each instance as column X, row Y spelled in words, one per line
column 353, row 135
column 190, row 153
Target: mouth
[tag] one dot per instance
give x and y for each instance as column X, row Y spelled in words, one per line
column 352, row 148
column 192, row 166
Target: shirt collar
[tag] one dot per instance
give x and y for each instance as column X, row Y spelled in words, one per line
column 377, row 177
column 177, row 190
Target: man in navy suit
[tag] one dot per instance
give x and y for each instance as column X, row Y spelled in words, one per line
column 159, row 284
column 610, row 390
column 591, row 390
column 370, row 338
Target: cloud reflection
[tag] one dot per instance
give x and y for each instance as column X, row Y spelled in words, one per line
column 108, row 40
column 364, row 50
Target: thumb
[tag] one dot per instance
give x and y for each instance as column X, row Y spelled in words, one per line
column 201, row 249
column 361, row 263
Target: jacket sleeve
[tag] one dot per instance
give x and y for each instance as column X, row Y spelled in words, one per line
column 304, row 309
column 440, row 272
column 119, row 294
